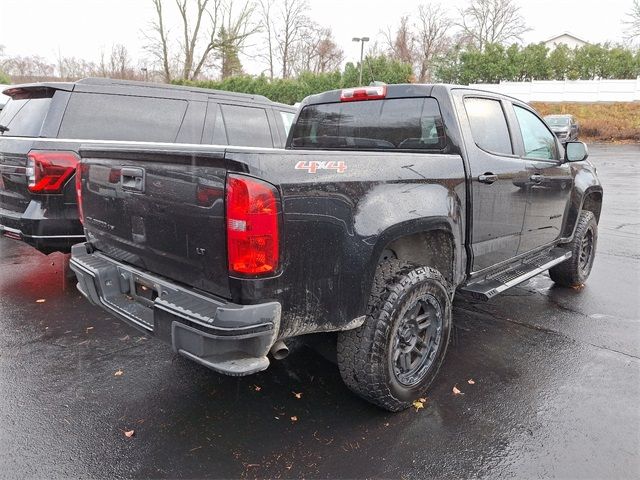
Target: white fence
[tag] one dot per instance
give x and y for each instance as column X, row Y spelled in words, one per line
column 568, row 90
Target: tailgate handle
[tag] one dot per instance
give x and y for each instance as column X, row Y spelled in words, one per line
column 132, row 178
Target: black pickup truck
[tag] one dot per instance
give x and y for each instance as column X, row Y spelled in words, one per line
column 386, row 202
column 43, row 125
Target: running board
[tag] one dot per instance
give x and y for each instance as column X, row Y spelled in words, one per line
column 485, row 288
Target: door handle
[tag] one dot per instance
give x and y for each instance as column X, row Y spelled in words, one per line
column 487, row 178
column 536, row 178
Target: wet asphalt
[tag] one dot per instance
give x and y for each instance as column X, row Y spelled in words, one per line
column 556, row 389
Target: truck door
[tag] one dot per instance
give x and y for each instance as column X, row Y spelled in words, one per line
column 549, row 181
column 498, row 176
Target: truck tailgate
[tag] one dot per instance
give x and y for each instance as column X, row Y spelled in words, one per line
column 160, row 209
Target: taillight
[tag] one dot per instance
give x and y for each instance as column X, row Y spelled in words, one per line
column 79, row 170
column 363, row 93
column 252, row 226
column 47, row 172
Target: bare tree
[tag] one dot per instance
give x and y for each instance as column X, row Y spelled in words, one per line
column 293, row 21
column 328, row 55
column 317, row 52
column 432, row 38
column 491, row 21
column 157, row 41
column 267, row 23
column 120, row 63
column 633, row 22
column 401, row 44
column 293, row 43
column 73, row 68
column 32, row 67
column 234, row 32
column 207, row 26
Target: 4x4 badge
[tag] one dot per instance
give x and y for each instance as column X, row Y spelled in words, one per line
column 313, row 166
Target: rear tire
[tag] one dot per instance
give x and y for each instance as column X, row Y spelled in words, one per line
column 576, row 270
column 394, row 356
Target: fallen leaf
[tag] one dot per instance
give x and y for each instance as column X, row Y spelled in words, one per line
column 423, row 400
column 294, row 419
column 418, row 404
column 129, row 433
column 578, row 287
column 471, row 381
column 119, row 373
column 40, row 300
column 297, row 395
column 456, row 391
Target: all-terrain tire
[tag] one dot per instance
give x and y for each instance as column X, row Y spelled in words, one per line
column 576, row 270
column 365, row 354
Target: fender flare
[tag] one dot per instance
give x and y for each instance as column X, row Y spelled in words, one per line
column 405, row 229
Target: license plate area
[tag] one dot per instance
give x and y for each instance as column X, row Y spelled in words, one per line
column 144, row 292
column 131, row 296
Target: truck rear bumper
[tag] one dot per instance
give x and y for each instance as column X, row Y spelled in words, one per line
column 228, row 338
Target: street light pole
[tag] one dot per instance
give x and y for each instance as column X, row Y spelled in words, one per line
column 361, row 40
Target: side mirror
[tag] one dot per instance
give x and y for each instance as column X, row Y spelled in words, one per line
column 575, row 151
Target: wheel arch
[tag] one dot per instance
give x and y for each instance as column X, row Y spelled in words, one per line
column 592, row 201
column 428, row 242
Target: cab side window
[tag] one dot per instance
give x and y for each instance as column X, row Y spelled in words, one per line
column 488, row 125
column 539, row 142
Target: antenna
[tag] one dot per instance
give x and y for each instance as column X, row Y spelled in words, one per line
column 373, row 80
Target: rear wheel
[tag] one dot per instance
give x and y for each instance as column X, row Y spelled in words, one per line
column 576, row 270
column 394, row 356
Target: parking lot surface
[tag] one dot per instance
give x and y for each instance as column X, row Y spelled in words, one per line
column 555, row 392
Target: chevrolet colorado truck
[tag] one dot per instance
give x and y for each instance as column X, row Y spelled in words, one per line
column 43, row 125
column 386, row 202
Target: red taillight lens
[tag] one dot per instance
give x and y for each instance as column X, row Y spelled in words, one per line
column 363, row 93
column 79, row 169
column 253, row 243
column 49, row 171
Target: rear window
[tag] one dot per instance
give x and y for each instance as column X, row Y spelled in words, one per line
column 119, row 117
column 24, row 117
column 393, row 124
column 247, row 126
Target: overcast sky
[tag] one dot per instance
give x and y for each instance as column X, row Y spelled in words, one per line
column 83, row 28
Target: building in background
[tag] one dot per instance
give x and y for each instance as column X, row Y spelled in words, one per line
column 565, row 38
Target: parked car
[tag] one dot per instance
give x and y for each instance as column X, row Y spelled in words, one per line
column 43, row 125
column 386, row 202
column 564, row 127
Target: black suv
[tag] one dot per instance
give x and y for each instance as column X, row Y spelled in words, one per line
column 44, row 124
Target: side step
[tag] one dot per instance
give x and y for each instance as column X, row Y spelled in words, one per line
column 485, row 288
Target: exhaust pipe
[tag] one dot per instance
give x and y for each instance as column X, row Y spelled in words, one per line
column 279, row 350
